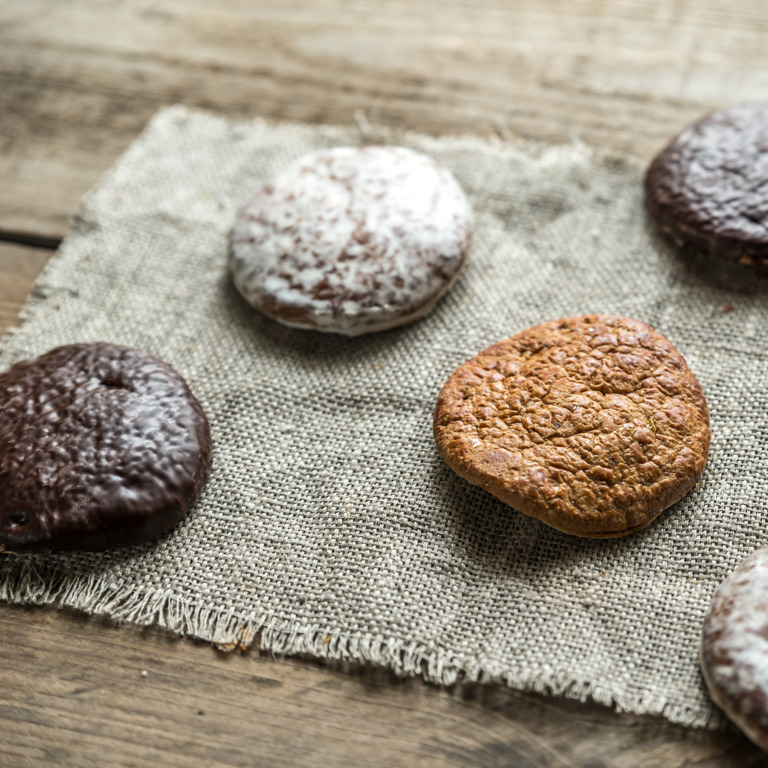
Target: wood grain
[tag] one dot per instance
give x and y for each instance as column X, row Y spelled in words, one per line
column 73, row 692
column 19, row 266
column 79, row 79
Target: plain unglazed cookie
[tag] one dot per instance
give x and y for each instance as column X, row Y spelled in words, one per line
column 592, row 424
column 734, row 647
column 709, row 188
column 351, row 240
column 100, row 446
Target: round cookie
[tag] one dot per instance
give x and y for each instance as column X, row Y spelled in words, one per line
column 709, row 188
column 351, row 240
column 592, row 424
column 100, row 446
column 734, row 647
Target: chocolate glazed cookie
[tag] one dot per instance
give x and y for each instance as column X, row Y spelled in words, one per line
column 709, row 188
column 100, row 446
column 592, row 424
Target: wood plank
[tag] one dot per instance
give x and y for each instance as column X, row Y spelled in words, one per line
column 19, row 266
column 73, row 692
column 77, row 82
column 79, row 79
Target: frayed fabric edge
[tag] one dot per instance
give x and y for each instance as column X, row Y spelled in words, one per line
column 271, row 634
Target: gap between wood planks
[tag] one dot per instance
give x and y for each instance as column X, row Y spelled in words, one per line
column 30, row 239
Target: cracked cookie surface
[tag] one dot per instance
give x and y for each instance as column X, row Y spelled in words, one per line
column 592, row 424
column 709, row 187
column 352, row 240
column 100, row 446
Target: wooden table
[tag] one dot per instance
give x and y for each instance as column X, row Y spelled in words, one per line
column 78, row 80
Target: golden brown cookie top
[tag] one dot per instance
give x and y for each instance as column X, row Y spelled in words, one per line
column 593, row 424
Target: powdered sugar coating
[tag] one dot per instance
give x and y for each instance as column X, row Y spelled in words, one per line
column 734, row 650
column 352, row 240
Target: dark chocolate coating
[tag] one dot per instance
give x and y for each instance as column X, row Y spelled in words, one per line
column 101, row 446
column 709, row 188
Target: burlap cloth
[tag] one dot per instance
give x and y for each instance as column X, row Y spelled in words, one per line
column 330, row 525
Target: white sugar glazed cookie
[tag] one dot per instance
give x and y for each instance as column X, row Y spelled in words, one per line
column 352, row 240
column 734, row 648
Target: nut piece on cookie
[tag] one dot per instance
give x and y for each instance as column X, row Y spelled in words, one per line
column 707, row 188
column 592, row 424
column 101, row 446
column 352, row 240
column 734, row 647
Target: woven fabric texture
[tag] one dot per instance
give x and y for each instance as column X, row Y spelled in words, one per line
column 330, row 525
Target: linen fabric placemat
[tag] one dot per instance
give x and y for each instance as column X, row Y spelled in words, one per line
column 330, row 525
